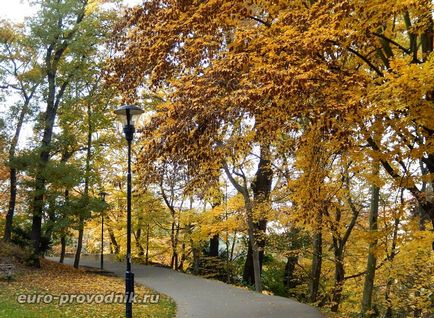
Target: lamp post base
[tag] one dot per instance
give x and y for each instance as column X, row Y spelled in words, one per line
column 129, row 293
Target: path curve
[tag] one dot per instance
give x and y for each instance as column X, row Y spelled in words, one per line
column 197, row 297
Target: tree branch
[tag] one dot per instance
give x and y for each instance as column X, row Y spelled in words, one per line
column 362, row 57
column 377, row 267
column 402, row 48
column 234, row 182
column 396, row 176
column 267, row 24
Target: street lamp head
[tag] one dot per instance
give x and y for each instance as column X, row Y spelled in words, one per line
column 127, row 114
column 102, row 195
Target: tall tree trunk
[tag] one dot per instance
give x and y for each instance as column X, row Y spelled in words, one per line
column 139, row 245
column 174, row 231
column 390, row 258
column 183, row 257
column 138, row 236
column 12, row 200
column 339, row 278
column 195, row 252
column 147, row 245
column 252, row 243
column 249, row 206
column 44, row 156
column 113, row 240
column 214, row 245
column 316, row 261
column 372, row 259
column 425, row 200
column 423, row 216
column 172, row 241
column 176, row 258
column 51, row 217
column 63, row 248
column 79, row 241
column 338, row 248
column 55, row 91
column 12, row 170
column 64, row 229
column 215, row 239
column 234, row 241
column 86, row 187
column 288, row 278
column 248, row 274
column 261, row 188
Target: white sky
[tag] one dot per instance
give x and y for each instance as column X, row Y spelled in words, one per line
column 15, row 10
column 18, row 10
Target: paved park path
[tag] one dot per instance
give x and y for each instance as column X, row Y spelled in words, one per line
column 198, row 297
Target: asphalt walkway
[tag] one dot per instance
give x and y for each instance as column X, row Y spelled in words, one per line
column 197, row 297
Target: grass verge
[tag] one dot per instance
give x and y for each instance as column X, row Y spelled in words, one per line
column 56, row 279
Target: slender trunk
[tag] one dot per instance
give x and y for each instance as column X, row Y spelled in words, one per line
column 391, row 256
column 138, row 244
column 147, row 245
column 228, row 271
column 426, row 38
column 372, row 259
column 174, row 231
column 339, row 279
column 195, row 252
column 259, row 230
column 261, row 188
column 423, row 216
column 13, row 171
column 55, row 91
column 138, row 236
column 172, row 241
column 51, row 217
column 215, row 239
column 426, row 207
column 194, row 249
column 63, row 248
column 11, row 208
column 176, row 258
column 427, row 43
column 214, row 245
column 113, row 240
column 183, row 257
column 79, row 242
column 86, row 188
column 252, row 243
column 339, row 243
column 288, row 278
column 184, row 253
column 44, row 157
column 248, row 205
column 174, row 261
column 233, row 247
column 64, row 229
column 227, row 243
column 316, row 261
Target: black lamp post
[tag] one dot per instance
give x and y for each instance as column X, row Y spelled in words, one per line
column 127, row 114
column 102, row 195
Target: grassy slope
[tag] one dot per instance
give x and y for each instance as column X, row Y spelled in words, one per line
column 57, row 279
